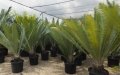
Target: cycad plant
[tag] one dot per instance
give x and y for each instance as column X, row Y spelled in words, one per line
column 98, row 35
column 64, row 44
column 44, row 42
column 112, row 17
column 4, row 16
column 67, row 48
column 34, row 29
column 47, row 42
column 12, row 37
column 54, row 47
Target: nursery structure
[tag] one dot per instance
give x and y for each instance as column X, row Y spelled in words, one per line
column 81, row 44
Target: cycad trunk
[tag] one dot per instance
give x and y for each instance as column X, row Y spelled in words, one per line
column 32, row 51
column 16, row 56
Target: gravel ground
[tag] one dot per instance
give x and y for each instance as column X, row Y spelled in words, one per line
column 52, row 67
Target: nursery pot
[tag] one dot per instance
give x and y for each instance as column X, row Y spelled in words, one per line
column 113, row 61
column 45, row 55
column 97, row 71
column 70, row 68
column 78, row 61
column 24, row 53
column 83, row 56
column 2, row 57
column 4, row 50
column 33, row 59
column 53, row 52
column 17, row 65
column 38, row 49
column 48, row 47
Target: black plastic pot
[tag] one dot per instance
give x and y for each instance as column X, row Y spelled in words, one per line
column 70, row 68
column 44, row 55
column 97, row 71
column 83, row 56
column 48, row 46
column 38, row 49
column 17, row 65
column 33, row 59
column 78, row 61
column 53, row 52
column 113, row 61
column 24, row 53
column 2, row 57
column 4, row 50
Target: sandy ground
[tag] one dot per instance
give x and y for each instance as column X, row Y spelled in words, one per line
column 52, row 67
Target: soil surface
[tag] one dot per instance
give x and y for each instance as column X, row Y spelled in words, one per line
column 52, row 67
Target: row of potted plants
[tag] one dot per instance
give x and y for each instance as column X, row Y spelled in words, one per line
column 24, row 34
column 21, row 33
column 96, row 36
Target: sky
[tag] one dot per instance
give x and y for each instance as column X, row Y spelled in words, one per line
column 59, row 10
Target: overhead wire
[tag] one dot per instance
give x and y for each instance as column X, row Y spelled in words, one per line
column 53, row 3
column 35, row 9
column 62, row 8
column 55, row 15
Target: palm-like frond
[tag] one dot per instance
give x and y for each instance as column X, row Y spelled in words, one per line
column 99, row 35
column 12, row 37
column 34, row 29
column 64, row 44
column 5, row 17
column 47, row 38
column 111, row 17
